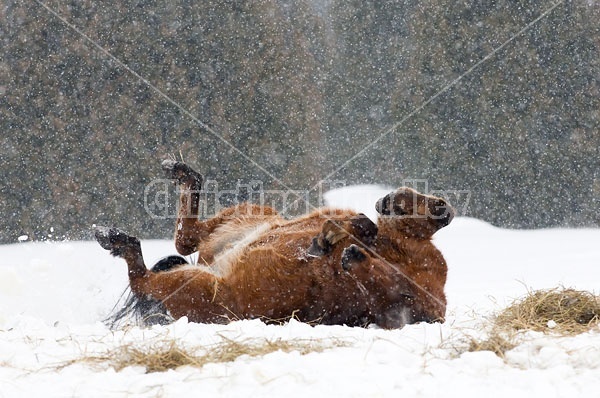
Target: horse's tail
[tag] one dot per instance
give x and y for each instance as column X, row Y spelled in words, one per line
column 143, row 310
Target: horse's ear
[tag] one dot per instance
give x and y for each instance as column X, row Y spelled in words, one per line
column 383, row 205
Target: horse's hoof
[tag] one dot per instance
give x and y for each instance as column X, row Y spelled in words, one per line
column 365, row 229
column 115, row 240
column 181, row 172
column 315, row 249
column 350, row 255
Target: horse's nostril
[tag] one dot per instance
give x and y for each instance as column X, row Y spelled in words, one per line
column 440, row 208
column 445, row 216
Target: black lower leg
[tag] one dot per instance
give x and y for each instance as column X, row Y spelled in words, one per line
column 122, row 245
column 190, row 183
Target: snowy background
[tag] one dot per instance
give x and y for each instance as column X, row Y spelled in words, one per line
column 499, row 98
column 53, row 296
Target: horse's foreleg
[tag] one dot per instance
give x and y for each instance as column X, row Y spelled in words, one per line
column 359, row 228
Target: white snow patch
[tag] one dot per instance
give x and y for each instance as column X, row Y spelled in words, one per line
column 360, row 198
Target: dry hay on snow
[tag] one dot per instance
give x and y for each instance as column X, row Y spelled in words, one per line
column 168, row 354
column 560, row 311
column 496, row 342
column 563, row 312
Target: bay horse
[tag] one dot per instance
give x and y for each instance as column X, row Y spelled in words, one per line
column 331, row 266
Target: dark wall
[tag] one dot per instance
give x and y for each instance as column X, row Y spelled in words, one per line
column 299, row 88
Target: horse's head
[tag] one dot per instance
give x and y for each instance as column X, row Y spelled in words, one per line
column 412, row 213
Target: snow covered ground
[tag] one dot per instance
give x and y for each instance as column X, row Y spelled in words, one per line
column 53, row 297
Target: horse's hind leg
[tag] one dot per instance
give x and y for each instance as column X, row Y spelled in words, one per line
column 122, row 245
column 188, row 229
column 183, row 294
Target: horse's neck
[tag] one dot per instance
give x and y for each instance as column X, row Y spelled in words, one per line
column 399, row 247
column 395, row 243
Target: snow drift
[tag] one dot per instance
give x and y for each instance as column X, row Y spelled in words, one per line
column 53, row 296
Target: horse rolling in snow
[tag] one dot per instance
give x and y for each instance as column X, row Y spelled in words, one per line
column 330, row 267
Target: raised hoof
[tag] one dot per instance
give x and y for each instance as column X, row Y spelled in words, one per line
column 115, row 240
column 351, row 255
column 181, row 173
